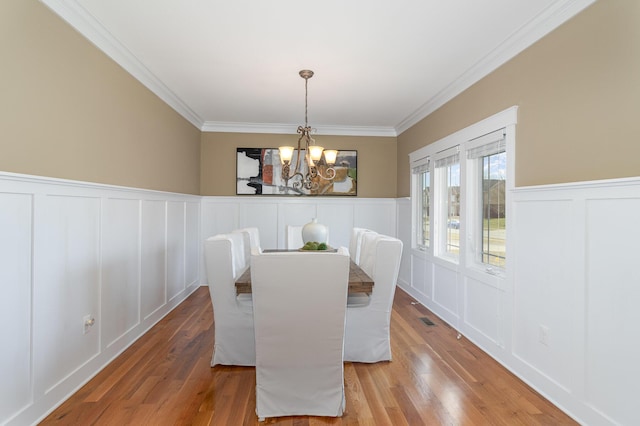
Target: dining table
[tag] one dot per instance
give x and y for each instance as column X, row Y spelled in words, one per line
column 359, row 281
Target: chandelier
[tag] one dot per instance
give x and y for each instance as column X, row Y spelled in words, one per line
column 306, row 174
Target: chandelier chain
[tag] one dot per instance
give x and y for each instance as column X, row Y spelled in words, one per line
column 306, row 94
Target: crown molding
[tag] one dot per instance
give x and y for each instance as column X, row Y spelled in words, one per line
column 240, row 127
column 90, row 28
column 235, row 127
column 76, row 16
column 548, row 20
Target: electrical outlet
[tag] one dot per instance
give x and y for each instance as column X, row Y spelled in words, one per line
column 544, row 335
column 87, row 322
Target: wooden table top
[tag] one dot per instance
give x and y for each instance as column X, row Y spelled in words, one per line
column 359, row 281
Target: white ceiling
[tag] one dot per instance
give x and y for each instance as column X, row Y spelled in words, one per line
column 380, row 65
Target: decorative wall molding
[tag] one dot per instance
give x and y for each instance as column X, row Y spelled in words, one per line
column 66, row 248
column 272, row 214
column 606, row 184
column 290, row 129
column 69, row 250
column 572, row 273
column 75, row 185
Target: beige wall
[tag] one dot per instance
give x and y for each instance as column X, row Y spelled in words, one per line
column 68, row 111
column 578, row 92
column 376, row 160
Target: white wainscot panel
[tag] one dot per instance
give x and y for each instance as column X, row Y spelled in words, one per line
column 421, row 281
column 338, row 218
column 15, row 303
column 66, row 286
column 120, row 262
column 193, row 242
column 403, row 232
column 219, row 217
column 379, row 216
column 263, row 216
column 295, row 213
column 152, row 271
column 175, row 248
column 613, row 349
column 481, row 308
column 546, row 288
column 445, row 293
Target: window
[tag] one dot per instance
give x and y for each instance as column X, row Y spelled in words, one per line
column 422, row 185
column 489, row 154
column 447, row 187
column 460, row 195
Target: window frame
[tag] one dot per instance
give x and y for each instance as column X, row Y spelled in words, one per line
column 418, row 169
column 470, row 208
column 444, row 160
column 478, row 148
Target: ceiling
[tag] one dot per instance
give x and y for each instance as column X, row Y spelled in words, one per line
column 380, row 66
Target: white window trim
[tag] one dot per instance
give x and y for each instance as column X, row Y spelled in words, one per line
column 416, row 166
column 506, row 118
column 469, row 138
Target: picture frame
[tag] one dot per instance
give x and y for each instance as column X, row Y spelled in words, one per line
column 259, row 172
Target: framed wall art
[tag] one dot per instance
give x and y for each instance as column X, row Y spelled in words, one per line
column 259, row 172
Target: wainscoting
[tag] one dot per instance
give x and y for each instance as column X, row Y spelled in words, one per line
column 125, row 257
column 271, row 215
column 69, row 250
column 564, row 319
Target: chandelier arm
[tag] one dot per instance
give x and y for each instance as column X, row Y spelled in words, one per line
column 301, row 131
column 296, row 170
column 331, row 173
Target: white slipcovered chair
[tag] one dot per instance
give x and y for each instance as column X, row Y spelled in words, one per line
column 232, row 314
column 367, row 253
column 294, row 237
column 299, row 304
column 251, row 241
column 367, row 333
column 355, row 243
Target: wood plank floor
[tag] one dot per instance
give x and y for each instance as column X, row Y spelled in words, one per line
column 165, row 378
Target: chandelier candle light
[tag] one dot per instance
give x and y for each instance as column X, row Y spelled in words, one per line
column 307, row 179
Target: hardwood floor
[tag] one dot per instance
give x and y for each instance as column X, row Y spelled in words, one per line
column 165, row 378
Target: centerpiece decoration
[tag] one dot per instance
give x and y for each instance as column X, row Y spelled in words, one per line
column 314, row 231
column 314, row 246
column 314, row 236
